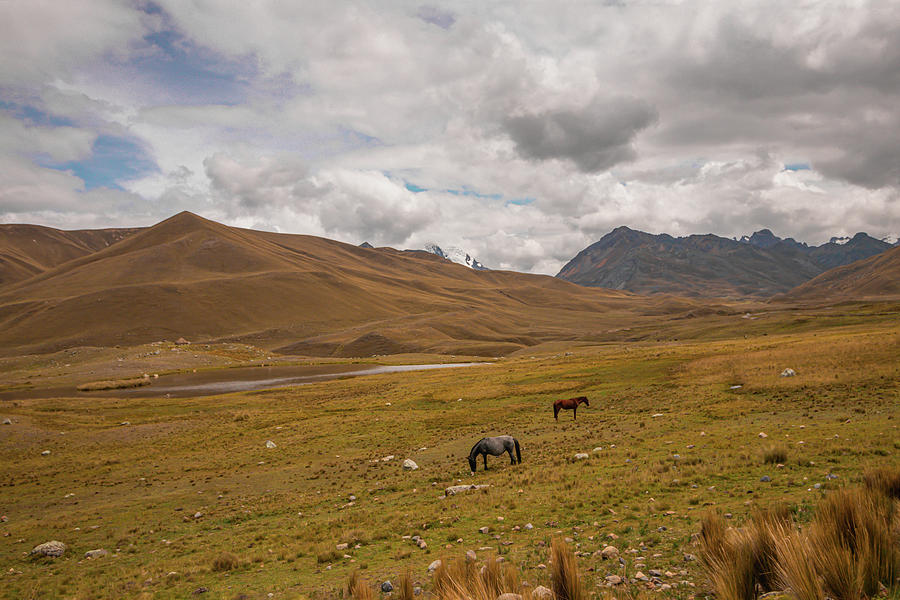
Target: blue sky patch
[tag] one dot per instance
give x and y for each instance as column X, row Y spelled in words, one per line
column 34, row 116
column 113, row 159
column 521, row 201
column 797, row 167
column 413, row 187
column 472, row 193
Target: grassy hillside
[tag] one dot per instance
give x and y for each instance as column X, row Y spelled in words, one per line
column 190, row 277
column 876, row 277
column 185, row 495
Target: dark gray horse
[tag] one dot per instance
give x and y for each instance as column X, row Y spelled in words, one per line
column 495, row 446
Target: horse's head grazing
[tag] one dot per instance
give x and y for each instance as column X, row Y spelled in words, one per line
column 585, row 400
column 471, row 460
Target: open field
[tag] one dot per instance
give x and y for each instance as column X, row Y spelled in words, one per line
column 188, row 480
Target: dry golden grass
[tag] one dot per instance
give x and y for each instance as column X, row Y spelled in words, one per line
column 113, row 384
column 775, row 454
column 566, row 583
column 358, row 589
column 885, row 480
column 795, row 571
column 463, row 580
column 405, row 589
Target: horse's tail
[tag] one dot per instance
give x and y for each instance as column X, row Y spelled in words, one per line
column 518, row 451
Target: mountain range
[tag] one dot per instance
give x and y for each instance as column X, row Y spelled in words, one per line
column 760, row 265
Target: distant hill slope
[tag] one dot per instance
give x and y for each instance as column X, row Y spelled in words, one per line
column 708, row 265
column 874, row 277
column 26, row 250
column 191, row 277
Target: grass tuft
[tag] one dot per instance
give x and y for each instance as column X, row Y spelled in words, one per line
column 565, row 581
column 776, row 454
column 358, row 589
column 226, row 561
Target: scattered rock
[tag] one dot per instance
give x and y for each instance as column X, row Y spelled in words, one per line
column 655, row 573
column 342, row 546
column 641, row 577
column 96, row 553
column 422, row 544
column 656, row 415
column 51, row 548
column 182, row 342
column 788, row 373
column 689, row 557
column 529, row 526
column 4, row 519
column 387, row 586
column 409, row 465
column 270, row 444
column 818, row 486
column 613, row 579
column 434, row 566
column 200, row 590
column 7, row 422
column 831, row 476
column 387, row 458
column 765, row 479
column 470, row 556
column 598, row 449
column 609, row 552
column 762, row 435
column 581, row 456
column 455, row 489
column 541, row 593
column 483, row 530
column 45, row 453
column 198, row 515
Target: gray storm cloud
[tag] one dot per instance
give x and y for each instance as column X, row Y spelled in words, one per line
column 594, row 137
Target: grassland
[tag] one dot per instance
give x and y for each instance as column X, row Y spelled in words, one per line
column 187, row 496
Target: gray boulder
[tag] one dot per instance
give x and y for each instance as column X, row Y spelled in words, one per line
column 96, row 553
column 51, row 548
column 387, row 586
column 409, row 465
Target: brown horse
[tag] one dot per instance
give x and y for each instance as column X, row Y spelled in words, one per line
column 569, row 404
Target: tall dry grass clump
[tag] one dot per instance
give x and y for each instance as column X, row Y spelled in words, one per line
column 358, row 589
column 225, row 561
column 854, row 537
column 565, row 580
column 885, row 480
column 465, row 580
column 776, row 454
column 405, row 590
column 850, row 549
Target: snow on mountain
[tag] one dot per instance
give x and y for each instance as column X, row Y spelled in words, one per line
column 457, row 255
column 893, row 240
column 839, row 240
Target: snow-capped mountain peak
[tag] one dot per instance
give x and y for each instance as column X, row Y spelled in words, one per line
column 457, row 255
column 839, row 240
column 893, row 240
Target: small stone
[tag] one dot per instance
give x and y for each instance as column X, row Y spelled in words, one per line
column 609, row 552
column 598, row 449
column 96, row 553
column 434, row 566
column 831, row 476
column 422, row 544
column 542, row 566
column 641, row 577
column 200, row 590
column 387, row 586
column 270, row 444
column 342, row 546
column 613, row 579
column 198, row 514
column 818, row 486
column 529, row 526
column 409, row 465
column 4, row 519
column 541, row 593
column 689, row 557
column 727, row 515
column 387, row 458
column 765, row 479
column 51, row 548
column 470, row 556
column 581, row 456
column 788, row 373
column 655, row 573
column 483, row 530
column 612, row 536
column 762, row 435
column 45, row 453
column 7, row 422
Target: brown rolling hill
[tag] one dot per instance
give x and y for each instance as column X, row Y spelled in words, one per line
column 191, row 277
column 876, row 277
column 26, row 250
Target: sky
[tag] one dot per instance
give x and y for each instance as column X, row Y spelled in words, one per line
column 521, row 131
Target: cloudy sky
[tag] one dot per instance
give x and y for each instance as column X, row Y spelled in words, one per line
column 521, row 131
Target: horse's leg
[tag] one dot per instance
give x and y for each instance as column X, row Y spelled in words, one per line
column 556, row 412
column 575, row 413
column 512, row 458
column 485, row 461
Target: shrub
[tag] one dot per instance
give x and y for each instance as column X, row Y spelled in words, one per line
column 775, row 455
